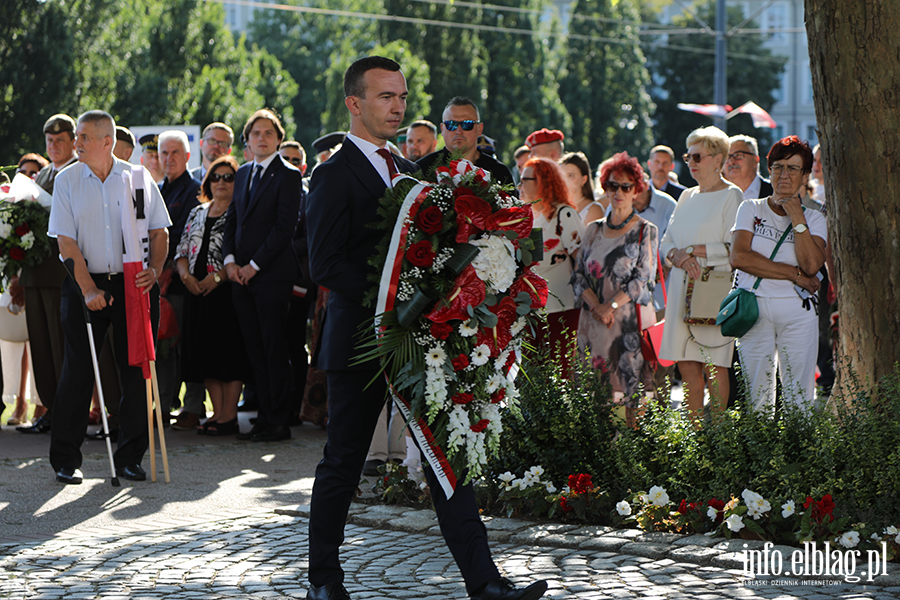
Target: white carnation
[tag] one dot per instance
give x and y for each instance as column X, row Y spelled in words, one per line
column 495, row 263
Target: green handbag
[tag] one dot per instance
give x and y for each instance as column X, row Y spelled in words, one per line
column 739, row 310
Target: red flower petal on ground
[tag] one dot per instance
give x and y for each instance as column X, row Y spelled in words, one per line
column 519, row 219
column 471, row 214
column 468, row 290
column 421, row 254
column 462, row 398
column 460, row 362
column 532, row 284
column 441, row 331
column 480, row 426
column 496, row 338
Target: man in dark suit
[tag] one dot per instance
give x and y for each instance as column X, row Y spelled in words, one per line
column 742, row 168
column 260, row 259
column 343, row 199
column 661, row 163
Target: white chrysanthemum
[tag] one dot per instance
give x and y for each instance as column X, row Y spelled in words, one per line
column 712, row 513
column 495, row 383
column 28, row 240
column 757, row 506
column 480, row 355
column 495, row 263
column 849, row 539
column 435, row 357
column 467, row 330
column 623, row 508
column 500, row 361
column 788, row 508
column 735, row 523
column 518, row 326
column 658, row 496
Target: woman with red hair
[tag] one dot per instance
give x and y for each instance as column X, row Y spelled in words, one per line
column 543, row 186
column 613, row 280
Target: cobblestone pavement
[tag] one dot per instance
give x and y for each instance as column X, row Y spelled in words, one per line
column 263, row 556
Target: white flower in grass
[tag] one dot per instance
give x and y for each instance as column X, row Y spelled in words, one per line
column 506, row 478
column 848, row 540
column 658, row 496
column 551, row 489
column 735, row 523
column 480, row 355
column 891, row 530
column 757, row 506
column 435, row 357
column 467, row 330
column 788, row 508
column 537, row 470
column 623, row 508
column 712, row 513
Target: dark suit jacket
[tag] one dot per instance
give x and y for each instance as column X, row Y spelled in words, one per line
column 765, row 187
column 673, row 189
column 260, row 228
column 343, row 200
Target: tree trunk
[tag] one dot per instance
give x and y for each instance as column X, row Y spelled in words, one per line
column 854, row 58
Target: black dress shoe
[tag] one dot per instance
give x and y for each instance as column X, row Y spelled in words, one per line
column 69, row 475
column 131, row 472
column 100, row 436
column 42, row 425
column 272, row 433
column 503, row 589
column 329, row 591
column 255, row 430
column 370, row 468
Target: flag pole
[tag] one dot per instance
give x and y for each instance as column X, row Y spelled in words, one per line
column 150, row 431
column 162, row 435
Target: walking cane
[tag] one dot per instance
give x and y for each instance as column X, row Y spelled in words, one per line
column 70, row 269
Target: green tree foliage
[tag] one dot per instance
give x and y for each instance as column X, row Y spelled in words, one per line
column 605, row 82
column 753, row 75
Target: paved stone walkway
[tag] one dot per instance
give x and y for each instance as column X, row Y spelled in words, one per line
column 263, row 556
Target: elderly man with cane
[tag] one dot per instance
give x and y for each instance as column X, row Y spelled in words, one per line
column 86, row 218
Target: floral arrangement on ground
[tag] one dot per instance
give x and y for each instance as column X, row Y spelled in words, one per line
column 455, row 297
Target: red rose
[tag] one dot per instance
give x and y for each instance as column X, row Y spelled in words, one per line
column 22, row 229
column 480, row 426
column 430, row 220
column 498, row 396
column 17, row 254
column 441, row 330
column 421, row 254
column 460, row 362
column 462, row 398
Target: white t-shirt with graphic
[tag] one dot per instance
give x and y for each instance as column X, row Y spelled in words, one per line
column 767, row 228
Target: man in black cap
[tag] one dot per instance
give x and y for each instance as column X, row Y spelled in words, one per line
column 327, row 145
column 461, row 127
column 42, row 282
column 124, row 144
column 150, row 156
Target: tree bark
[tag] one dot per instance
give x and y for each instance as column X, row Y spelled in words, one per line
column 854, row 57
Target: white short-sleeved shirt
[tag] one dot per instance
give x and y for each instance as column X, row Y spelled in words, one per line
column 767, row 227
column 89, row 211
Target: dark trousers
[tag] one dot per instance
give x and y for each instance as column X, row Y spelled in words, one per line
column 352, row 415
column 262, row 310
column 45, row 335
column 73, row 397
column 297, row 317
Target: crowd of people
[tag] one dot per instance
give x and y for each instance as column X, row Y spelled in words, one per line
column 241, row 258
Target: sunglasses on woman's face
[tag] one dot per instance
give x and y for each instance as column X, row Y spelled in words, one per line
column 696, row 157
column 468, row 125
column 613, row 186
column 226, row 177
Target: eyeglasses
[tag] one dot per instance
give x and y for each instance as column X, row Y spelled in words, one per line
column 792, row 170
column 217, row 143
column 738, row 156
column 614, row 186
column 467, row 125
column 27, row 172
column 696, row 157
column 217, row 177
column 522, row 180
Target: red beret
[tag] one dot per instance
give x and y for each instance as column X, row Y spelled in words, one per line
column 544, row 136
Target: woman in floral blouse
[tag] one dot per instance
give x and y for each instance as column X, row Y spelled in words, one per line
column 543, row 186
column 613, row 279
column 213, row 349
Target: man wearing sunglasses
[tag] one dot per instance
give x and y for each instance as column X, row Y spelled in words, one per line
column 460, row 127
column 742, row 168
column 217, row 140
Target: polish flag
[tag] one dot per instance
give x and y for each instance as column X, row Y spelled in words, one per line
column 710, row 110
column 760, row 117
column 136, row 237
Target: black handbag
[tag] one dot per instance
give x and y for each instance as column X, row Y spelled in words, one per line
column 739, row 310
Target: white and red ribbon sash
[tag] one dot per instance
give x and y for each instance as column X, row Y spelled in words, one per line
column 387, row 294
column 136, row 258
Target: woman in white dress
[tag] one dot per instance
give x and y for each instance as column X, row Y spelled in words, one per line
column 577, row 174
column 699, row 237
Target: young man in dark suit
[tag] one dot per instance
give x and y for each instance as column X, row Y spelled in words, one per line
column 343, row 199
column 260, row 259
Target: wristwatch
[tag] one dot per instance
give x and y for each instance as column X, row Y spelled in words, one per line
column 614, row 305
column 801, row 228
column 216, row 277
column 689, row 250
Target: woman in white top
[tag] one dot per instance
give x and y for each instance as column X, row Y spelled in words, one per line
column 698, row 238
column 786, row 333
column 577, row 174
column 542, row 185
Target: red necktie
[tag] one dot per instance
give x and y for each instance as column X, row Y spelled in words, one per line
column 392, row 168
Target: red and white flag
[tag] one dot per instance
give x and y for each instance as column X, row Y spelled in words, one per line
column 136, row 258
column 760, row 117
column 710, row 110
